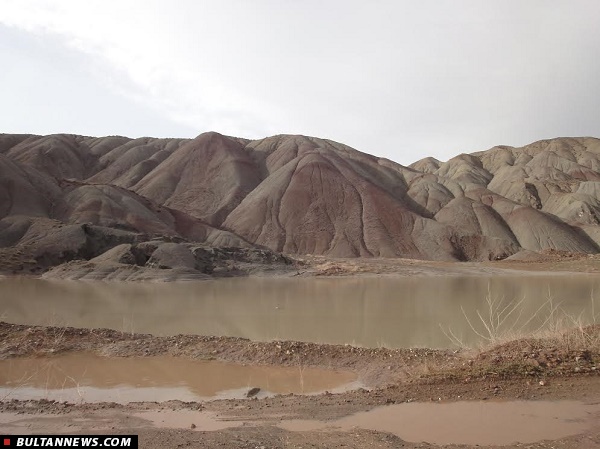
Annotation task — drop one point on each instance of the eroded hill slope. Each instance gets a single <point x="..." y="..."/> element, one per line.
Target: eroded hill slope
<point x="304" y="195"/>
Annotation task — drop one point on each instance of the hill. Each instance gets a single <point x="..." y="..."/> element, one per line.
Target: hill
<point x="303" y="195"/>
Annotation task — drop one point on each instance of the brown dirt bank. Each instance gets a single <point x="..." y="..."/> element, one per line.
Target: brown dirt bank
<point x="525" y="369"/>
<point x="543" y="262"/>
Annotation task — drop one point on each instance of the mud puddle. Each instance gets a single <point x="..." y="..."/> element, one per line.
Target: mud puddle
<point x="474" y="423"/>
<point x="91" y="378"/>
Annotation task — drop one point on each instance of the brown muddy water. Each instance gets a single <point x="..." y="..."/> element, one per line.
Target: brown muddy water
<point x="363" y="311"/>
<point x="474" y="423"/>
<point x="78" y="377"/>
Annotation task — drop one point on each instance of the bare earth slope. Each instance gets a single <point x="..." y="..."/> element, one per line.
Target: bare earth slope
<point x="304" y="195"/>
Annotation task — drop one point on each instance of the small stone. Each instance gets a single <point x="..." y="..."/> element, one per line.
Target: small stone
<point x="252" y="392"/>
<point x="193" y="426"/>
<point x="577" y="369"/>
<point x="542" y="383"/>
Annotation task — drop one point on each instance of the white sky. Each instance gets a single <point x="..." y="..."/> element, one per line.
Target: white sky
<point x="398" y="79"/>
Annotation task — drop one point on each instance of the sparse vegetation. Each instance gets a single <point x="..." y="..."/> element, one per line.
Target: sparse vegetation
<point x="502" y="320"/>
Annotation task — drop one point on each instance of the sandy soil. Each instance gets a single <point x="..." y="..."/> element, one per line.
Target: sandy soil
<point x="525" y="370"/>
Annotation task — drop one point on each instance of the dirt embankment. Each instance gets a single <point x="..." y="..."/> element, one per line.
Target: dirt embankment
<point x="565" y="367"/>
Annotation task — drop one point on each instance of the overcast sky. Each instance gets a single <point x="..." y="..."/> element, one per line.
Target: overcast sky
<point x="398" y="79"/>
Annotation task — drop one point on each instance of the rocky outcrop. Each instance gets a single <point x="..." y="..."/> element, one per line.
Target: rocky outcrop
<point x="167" y="261"/>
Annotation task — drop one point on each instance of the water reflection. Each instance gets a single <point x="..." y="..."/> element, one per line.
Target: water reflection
<point x="367" y="311"/>
<point x="91" y="378"/>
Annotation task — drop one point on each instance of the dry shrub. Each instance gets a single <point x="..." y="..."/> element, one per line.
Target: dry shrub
<point x="503" y="321"/>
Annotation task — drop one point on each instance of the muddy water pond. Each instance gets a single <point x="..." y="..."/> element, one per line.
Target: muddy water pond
<point x="474" y="423"/>
<point x="365" y="311"/>
<point x="78" y="377"/>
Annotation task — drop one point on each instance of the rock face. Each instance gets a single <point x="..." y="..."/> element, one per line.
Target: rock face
<point x="303" y="195"/>
<point x="167" y="261"/>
